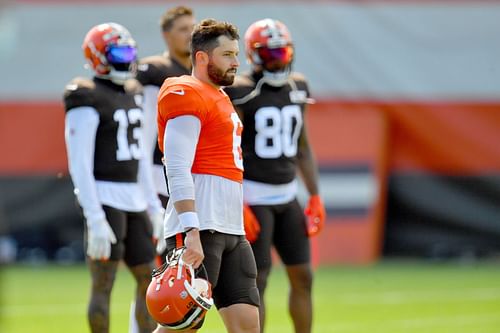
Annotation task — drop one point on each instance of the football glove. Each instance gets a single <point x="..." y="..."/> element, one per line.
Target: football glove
<point x="158" y="236"/>
<point x="100" y="236"/>
<point x="315" y="215"/>
<point x="251" y="224"/>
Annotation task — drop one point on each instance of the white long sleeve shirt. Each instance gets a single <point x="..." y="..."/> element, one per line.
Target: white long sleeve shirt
<point x="150" y="141"/>
<point x="218" y="200"/>
<point x="80" y="131"/>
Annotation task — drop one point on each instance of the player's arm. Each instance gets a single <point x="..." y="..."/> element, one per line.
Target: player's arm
<point x="148" y="142"/>
<point x="149" y="107"/>
<point x="80" y="130"/>
<point x="308" y="169"/>
<point x="150" y="91"/>
<point x="307" y="163"/>
<point x="180" y="140"/>
<point x="150" y="132"/>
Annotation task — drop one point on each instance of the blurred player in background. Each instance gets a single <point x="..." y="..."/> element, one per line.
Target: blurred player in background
<point x="271" y="101"/>
<point x="200" y="134"/>
<point x="176" y="26"/>
<point x="103" y="136"/>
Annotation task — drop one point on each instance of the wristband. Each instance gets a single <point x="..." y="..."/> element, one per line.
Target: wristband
<point x="189" y="220"/>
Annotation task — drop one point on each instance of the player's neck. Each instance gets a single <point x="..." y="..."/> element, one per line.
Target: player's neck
<point x="183" y="60"/>
<point x="202" y="75"/>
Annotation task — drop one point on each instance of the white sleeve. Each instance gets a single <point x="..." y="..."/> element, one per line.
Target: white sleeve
<point x="148" y="142"/>
<point x="145" y="180"/>
<point x="180" y="140"/>
<point x="80" y="130"/>
<point x="150" y="127"/>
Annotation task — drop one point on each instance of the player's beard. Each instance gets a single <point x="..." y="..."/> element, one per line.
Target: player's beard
<point x="220" y="77"/>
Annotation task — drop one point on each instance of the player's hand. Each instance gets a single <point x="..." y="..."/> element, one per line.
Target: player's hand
<point x="158" y="237"/>
<point x="193" y="254"/>
<point x="315" y="215"/>
<point x="100" y="236"/>
<point x="251" y="224"/>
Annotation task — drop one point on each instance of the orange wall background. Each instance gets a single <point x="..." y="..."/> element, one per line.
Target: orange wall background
<point x="446" y="138"/>
<point x="32" y="138"/>
<point x="434" y="137"/>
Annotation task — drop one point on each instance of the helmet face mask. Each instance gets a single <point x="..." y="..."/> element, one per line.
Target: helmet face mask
<point x="111" y="52"/>
<point x="275" y="59"/>
<point x="269" y="48"/>
<point x="176" y="298"/>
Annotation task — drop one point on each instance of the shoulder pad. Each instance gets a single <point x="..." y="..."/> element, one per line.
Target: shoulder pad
<point x="300" y="80"/>
<point x="241" y="86"/>
<point x="79" y="92"/>
<point x="176" y="99"/>
<point x="133" y="86"/>
<point x="298" y="77"/>
<point x="148" y="70"/>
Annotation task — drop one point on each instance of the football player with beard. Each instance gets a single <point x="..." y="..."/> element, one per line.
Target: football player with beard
<point x="176" y="25"/>
<point x="271" y="101"/>
<point x="200" y="134"/>
<point x="103" y="136"/>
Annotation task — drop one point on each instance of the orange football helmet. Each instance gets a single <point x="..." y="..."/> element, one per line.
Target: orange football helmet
<point x="111" y="52"/>
<point x="268" y="44"/>
<point x="175" y="298"/>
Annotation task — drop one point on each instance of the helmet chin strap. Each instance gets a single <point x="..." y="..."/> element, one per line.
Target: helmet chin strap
<point x="119" y="77"/>
<point x="276" y="79"/>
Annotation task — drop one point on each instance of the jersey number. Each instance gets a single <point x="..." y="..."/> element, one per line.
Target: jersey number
<point x="277" y="131"/>
<point x="237" y="129"/>
<point x="127" y="151"/>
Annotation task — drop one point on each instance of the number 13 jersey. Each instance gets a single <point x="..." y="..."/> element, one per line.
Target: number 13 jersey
<point x="118" y="136"/>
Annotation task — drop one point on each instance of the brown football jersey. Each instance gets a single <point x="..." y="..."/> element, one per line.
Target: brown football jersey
<point x="117" y="143"/>
<point x="273" y="123"/>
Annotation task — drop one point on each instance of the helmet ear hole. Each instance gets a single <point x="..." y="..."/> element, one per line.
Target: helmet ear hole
<point x="255" y="59"/>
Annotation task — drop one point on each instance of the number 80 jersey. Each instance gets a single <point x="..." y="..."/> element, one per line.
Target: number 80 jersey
<point x="273" y="125"/>
<point x="117" y="140"/>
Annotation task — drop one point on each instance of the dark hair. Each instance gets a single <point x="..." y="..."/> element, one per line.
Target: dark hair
<point x="168" y="18"/>
<point x="205" y="34"/>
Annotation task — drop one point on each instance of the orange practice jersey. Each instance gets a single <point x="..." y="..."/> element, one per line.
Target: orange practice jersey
<point x="218" y="151"/>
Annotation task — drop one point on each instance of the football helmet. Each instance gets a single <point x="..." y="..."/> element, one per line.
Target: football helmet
<point x="269" y="46"/>
<point x="111" y="52"/>
<point x="175" y="297"/>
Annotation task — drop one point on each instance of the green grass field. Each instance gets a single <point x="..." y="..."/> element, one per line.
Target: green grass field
<point x="387" y="297"/>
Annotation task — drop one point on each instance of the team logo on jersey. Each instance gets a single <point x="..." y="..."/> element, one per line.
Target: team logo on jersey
<point x="179" y="92"/>
<point x="298" y="96"/>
